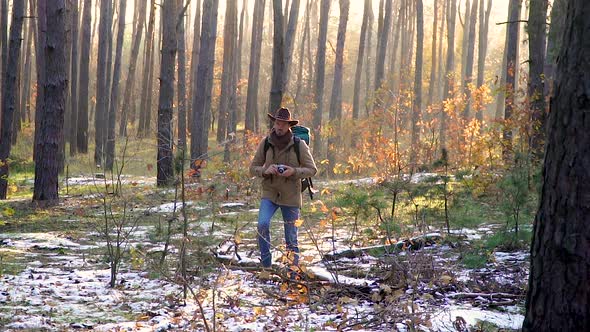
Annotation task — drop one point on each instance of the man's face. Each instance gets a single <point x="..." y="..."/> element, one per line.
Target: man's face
<point x="281" y="127"/>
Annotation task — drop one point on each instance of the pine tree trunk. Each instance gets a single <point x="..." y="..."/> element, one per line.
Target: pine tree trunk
<point x="194" y="63"/>
<point x="320" y="68"/>
<point x="4" y="36"/>
<point x="83" y="82"/>
<point x="27" y="74"/>
<point x="140" y="11"/>
<point x="336" y="99"/>
<point x="511" y="68"/>
<point x="291" y="29"/>
<point x="468" y="79"/>
<point x="146" y="89"/>
<point x="484" y="21"/>
<point x="101" y="115"/>
<point x="52" y="121"/>
<point x="9" y="88"/>
<point x="229" y="55"/>
<point x="304" y="38"/>
<point x="417" y="103"/>
<point x="278" y="59"/>
<point x="202" y="98"/>
<point x="254" y="70"/>
<point x="368" y="81"/>
<point x="558" y="297"/>
<point x="431" y="83"/>
<point x="74" y="81"/>
<point x="359" y="61"/>
<point x="450" y="67"/>
<point x="381" y="50"/>
<point x="114" y="101"/>
<point x="536" y="90"/>
<point x="181" y="50"/>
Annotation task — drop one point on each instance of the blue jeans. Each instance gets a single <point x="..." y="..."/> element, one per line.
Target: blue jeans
<point x="290" y="215"/>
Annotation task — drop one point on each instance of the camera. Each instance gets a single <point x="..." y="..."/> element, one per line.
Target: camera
<point x="281" y="169"/>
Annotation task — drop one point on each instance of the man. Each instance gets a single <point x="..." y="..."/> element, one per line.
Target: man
<point x="281" y="173"/>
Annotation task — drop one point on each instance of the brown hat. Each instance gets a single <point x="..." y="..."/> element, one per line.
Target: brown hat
<point x="283" y="114"/>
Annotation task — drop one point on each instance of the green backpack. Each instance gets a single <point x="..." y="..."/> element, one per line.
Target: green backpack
<point x="299" y="133"/>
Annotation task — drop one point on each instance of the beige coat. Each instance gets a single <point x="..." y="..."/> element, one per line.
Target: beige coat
<point x="283" y="190"/>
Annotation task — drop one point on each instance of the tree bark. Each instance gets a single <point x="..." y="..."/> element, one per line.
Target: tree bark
<point x="9" y="88"/>
<point x="114" y="100"/>
<point x="74" y="81"/>
<point x="52" y="121"/>
<point x="558" y="297"/>
<point x="181" y="50"/>
<point x="484" y="22"/>
<point x="536" y="90"/>
<point x="202" y="98"/>
<point x="359" y="61"/>
<point x="469" y="60"/>
<point x="417" y="103"/>
<point x="165" y="169"/>
<point x="278" y="59"/>
<point x="83" y="82"/>
<point x="381" y="49"/>
<point x="130" y="83"/>
<point x="336" y="99"/>
<point x="229" y="55"/>
<point x="101" y="115"/>
<point x="254" y="70"/>
<point x="450" y="68"/>
<point x="511" y="70"/>
<point x="291" y="32"/>
<point x="320" y="68"/>
<point x="146" y="89"/>
<point x="431" y="83"/>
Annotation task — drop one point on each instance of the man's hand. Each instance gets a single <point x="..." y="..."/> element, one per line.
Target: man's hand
<point x="288" y="171"/>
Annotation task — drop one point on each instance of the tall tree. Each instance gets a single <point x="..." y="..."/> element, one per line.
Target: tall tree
<point x="181" y="50"/>
<point x="482" y="46"/>
<point x="417" y="102"/>
<point x="467" y="79"/>
<point x="536" y="90"/>
<point x="83" y="82"/>
<point x="381" y="49"/>
<point x="9" y="88"/>
<point x="146" y="88"/>
<point x="304" y="38"/>
<point x="511" y="69"/>
<point x="278" y="58"/>
<point x="202" y="98"/>
<point x="140" y="10"/>
<point x="558" y="297"/>
<point x="194" y="62"/>
<point x="432" y="80"/>
<point x="52" y="120"/>
<point x="114" y="100"/>
<point x="320" y="68"/>
<point x="165" y="173"/>
<point x="229" y="54"/>
<point x="74" y="80"/>
<point x="359" y="61"/>
<point x="101" y="83"/>
<point x="450" y="67"/>
<point x="336" y="99"/>
<point x="4" y="35"/>
<point x="290" y="33"/>
<point x="254" y="70"/>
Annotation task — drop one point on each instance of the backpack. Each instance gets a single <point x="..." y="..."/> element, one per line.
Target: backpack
<point x="299" y="133"/>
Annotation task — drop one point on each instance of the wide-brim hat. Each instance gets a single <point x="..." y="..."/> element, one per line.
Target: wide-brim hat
<point x="283" y="114"/>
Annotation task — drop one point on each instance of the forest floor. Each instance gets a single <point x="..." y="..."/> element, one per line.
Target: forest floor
<point x="54" y="276"/>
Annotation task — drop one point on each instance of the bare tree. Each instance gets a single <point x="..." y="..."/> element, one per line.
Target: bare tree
<point x="484" y="22"/>
<point x="254" y="70"/>
<point x="381" y="49"/>
<point x="181" y="51"/>
<point x="83" y="82"/>
<point x="417" y="102"/>
<point x="320" y="69"/>
<point x="194" y="62"/>
<point x="165" y="172"/>
<point x="432" y="82"/>
<point x="278" y="58"/>
<point x="359" y="60"/>
<point x="146" y="88"/>
<point x="9" y="88"/>
<point x="101" y="115"/>
<point x="228" y="90"/>
<point x="52" y="120"/>
<point x="558" y="297"/>
<point x="450" y="67"/>
<point x="74" y="80"/>
<point x="467" y="79"/>
<point x="511" y="68"/>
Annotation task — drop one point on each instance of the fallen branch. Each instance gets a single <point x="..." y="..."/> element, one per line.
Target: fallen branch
<point x="489" y="296"/>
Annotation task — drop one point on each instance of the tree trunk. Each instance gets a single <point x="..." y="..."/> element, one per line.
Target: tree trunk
<point x="336" y="99"/>
<point x="432" y="81"/>
<point x="511" y="69"/>
<point x="465" y="39"/>
<point x="229" y="55"/>
<point x="126" y="107"/>
<point x="101" y="84"/>
<point x="381" y="50"/>
<point x="304" y="38"/>
<point x="368" y="81"/>
<point x="556" y="29"/>
<point x="278" y="59"/>
<point x="165" y="174"/>
<point x="417" y="103"/>
<point x="202" y="98"/>
<point x="439" y="75"/>
<point x="194" y="63"/>
<point x="558" y="297"/>
<point x="145" y="106"/>
<point x="359" y="61"/>
<point x="4" y="37"/>
<point x="320" y="69"/>
<point x="181" y="42"/>
<point x="450" y="67"/>
<point x="484" y="22"/>
<point x="52" y="120"/>
<point x="254" y="70"/>
<point x="469" y="60"/>
<point x="27" y="74"/>
<point x="83" y="82"/>
<point x="536" y="90"/>
<point x="114" y="100"/>
<point x="9" y="88"/>
<point x="289" y="39"/>
<point x="74" y="81"/>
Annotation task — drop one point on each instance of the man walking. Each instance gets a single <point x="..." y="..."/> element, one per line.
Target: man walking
<point x="281" y="169"/>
